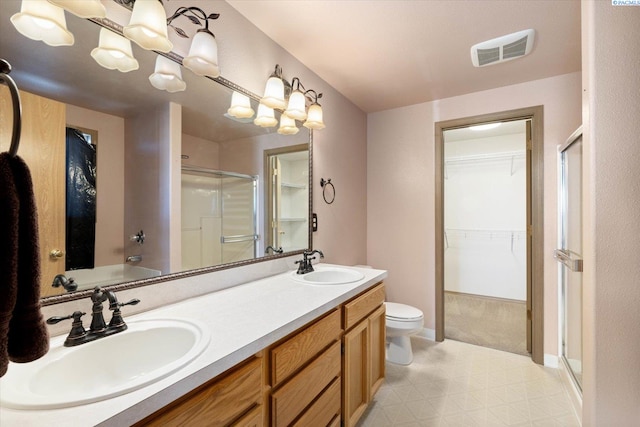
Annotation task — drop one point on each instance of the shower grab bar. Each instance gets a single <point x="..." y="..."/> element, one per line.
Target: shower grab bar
<point x="567" y="258"/>
<point x="239" y="238"/>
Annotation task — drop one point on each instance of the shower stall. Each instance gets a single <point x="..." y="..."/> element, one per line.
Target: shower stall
<point x="569" y="255"/>
<point x="219" y="217"/>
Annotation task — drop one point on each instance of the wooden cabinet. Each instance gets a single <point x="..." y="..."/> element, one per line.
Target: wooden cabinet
<point x="364" y="347"/>
<point x="316" y="376"/>
<point x="306" y="371"/>
<point x="231" y="399"/>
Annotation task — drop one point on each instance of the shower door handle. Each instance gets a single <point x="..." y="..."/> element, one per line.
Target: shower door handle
<point x="572" y="260"/>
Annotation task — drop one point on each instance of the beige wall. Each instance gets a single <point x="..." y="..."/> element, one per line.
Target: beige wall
<point x="400" y="187"/>
<point x="248" y="57"/>
<point x="611" y="308"/>
<point x="110" y="181"/>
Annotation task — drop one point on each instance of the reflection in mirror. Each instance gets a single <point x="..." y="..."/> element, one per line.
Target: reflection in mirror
<point x="147" y="137"/>
<point x="287" y="181"/>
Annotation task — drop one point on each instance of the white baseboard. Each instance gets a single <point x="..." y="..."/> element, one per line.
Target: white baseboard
<point x="429" y="334"/>
<point x="551" y="361"/>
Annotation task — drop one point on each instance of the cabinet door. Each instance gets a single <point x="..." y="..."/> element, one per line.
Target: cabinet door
<point x="377" y="335"/>
<point x="355" y="393"/>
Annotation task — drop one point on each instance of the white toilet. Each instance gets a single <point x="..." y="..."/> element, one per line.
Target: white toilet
<point x="402" y="321"/>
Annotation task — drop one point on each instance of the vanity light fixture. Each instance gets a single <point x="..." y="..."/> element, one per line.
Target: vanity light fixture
<point x="266" y="117"/>
<point x="314" y="116"/>
<point x="41" y="20"/>
<point x="274" y="90"/>
<point x="240" y="106"/>
<point x="296" y="108"/>
<point x="275" y="93"/>
<point x="167" y="75"/>
<point x="114" y="52"/>
<point x="203" y="53"/>
<point x="287" y="126"/>
<point x="148" y="26"/>
<point x="82" y="8"/>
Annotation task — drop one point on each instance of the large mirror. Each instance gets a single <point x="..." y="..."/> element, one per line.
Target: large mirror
<point x="180" y="187"/>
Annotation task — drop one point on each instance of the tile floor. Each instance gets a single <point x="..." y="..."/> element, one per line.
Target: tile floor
<point x="458" y="384"/>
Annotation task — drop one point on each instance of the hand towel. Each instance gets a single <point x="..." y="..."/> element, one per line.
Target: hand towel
<point x="28" y="335"/>
<point x="9" y="207"/>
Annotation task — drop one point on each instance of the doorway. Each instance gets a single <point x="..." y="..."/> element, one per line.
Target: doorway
<point x="528" y="236"/>
<point x="287" y="189"/>
<point x="485" y="216"/>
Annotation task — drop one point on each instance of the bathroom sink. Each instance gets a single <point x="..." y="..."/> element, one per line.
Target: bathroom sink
<point x="147" y="351"/>
<point x="328" y="276"/>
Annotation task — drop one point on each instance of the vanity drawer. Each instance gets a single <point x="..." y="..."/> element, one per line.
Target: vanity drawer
<point x="326" y="410"/>
<point x="358" y="308"/>
<point x="296" y="351"/>
<point x="217" y="403"/>
<point x="255" y="418"/>
<point x="293" y="397"/>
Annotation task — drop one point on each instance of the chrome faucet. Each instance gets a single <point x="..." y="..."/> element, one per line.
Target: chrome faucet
<point x="99" y="328"/>
<point x="304" y="265"/>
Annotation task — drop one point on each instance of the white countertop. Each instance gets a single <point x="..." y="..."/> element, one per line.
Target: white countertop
<point x="243" y="320"/>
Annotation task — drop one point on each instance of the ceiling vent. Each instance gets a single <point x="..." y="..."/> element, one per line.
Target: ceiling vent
<point x="502" y="49"/>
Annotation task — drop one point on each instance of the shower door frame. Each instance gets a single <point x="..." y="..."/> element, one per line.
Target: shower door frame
<point x="535" y="231"/>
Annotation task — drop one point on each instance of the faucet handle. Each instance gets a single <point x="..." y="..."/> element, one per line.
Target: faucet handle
<point x="77" y="329"/>
<point x="132" y="302"/>
<point x="76" y="315"/>
<point x="117" y="322"/>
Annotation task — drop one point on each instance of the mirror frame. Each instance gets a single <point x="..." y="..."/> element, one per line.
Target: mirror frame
<point x="57" y="299"/>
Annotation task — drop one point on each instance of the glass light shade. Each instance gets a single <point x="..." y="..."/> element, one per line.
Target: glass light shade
<point x="240" y="106"/>
<point x="265" y="117"/>
<point x="287" y="126"/>
<point x="41" y="20"/>
<point x="114" y="52"/>
<point x="167" y="76"/>
<point x="203" y="55"/>
<point x="148" y="26"/>
<point x="297" y="106"/>
<point x="274" y="93"/>
<point x="314" y="118"/>
<point x="82" y="8"/>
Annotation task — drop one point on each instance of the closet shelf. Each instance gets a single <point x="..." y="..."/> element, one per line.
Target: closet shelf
<point x="509" y="156"/>
<point x="484" y="234"/>
<point x="293" y="186"/>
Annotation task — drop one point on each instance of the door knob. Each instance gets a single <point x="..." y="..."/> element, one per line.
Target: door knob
<point x="56" y="253"/>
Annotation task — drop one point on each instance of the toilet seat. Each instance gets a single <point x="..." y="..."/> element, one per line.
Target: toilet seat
<point x="402" y="312"/>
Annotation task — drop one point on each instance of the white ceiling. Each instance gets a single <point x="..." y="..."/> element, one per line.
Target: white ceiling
<point x="387" y="54"/>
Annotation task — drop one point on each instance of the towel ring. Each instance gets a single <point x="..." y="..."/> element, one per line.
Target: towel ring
<point x="325" y="184"/>
<point x="5" y="69"/>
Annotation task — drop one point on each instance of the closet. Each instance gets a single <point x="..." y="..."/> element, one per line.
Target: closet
<point x="485" y="236"/>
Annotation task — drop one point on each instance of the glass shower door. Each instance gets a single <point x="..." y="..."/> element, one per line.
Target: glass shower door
<point x="570" y="254"/>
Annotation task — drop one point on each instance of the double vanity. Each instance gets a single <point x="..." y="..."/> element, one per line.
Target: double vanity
<point x="281" y="350"/>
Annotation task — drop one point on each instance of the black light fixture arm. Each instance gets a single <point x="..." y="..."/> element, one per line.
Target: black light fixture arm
<point x="195" y="15"/>
<point x="296" y="84"/>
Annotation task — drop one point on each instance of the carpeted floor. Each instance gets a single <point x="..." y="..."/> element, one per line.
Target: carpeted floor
<point x="485" y="321"/>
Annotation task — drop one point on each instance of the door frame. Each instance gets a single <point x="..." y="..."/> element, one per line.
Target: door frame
<point x="535" y="273"/>
<point x="268" y="193"/>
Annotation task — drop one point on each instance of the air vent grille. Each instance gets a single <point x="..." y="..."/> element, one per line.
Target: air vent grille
<point x="503" y="48"/>
<point x="515" y="49"/>
<point x="487" y="56"/>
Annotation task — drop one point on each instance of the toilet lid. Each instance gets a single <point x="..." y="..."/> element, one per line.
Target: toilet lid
<point x="399" y="311"/>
